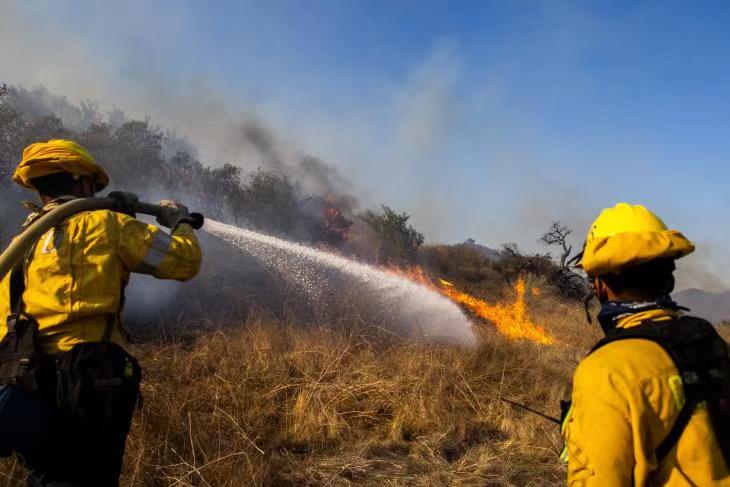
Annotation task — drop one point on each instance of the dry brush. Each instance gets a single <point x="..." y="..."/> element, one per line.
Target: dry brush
<point x="265" y="402"/>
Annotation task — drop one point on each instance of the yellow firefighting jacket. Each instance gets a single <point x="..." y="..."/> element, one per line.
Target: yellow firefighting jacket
<point x="77" y="273"/>
<point x="626" y="397"/>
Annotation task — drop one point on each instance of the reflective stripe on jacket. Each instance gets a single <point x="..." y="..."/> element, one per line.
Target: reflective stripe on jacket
<point x="626" y="397"/>
<point x="78" y="272"/>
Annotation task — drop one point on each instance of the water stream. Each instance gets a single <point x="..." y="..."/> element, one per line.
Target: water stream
<point x="412" y="307"/>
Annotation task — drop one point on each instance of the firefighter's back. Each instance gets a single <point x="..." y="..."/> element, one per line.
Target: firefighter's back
<point x="77" y="272"/>
<point x="638" y="387"/>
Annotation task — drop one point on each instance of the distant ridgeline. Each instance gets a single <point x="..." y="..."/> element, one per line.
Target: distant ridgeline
<point x="712" y="306"/>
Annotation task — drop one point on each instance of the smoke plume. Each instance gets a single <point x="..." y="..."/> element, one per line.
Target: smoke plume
<point x="315" y="175"/>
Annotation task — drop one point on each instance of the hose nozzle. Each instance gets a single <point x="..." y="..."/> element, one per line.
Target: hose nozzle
<point x="129" y="203"/>
<point x="196" y="220"/>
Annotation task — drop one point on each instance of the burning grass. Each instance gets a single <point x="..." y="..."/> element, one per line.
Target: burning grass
<point x="511" y="319"/>
<point x="270" y="403"/>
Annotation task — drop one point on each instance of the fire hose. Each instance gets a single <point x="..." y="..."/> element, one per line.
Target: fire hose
<point x="22" y="244"/>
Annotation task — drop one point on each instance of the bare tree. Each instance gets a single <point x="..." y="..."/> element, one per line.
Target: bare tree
<point x="566" y="279"/>
<point x="557" y="235"/>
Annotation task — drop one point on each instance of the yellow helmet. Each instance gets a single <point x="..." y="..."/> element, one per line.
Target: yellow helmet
<point x="57" y="156"/>
<point x="627" y="235"/>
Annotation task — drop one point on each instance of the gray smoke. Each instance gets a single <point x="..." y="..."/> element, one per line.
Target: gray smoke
<point x="696" y="271"/>
<point x="39" y="102"/>
<point x="315" y="175"/>
<point x="193" y="113"/>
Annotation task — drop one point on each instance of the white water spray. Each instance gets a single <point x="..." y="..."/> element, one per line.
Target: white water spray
<point x="421" y="311"/>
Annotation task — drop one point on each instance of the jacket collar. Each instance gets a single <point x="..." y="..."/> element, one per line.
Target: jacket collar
<point x="661" y="314"/>
<point x="627" y="314"/>
<point x="38" y="211"/>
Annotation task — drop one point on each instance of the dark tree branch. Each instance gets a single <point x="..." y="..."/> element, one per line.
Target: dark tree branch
<point x="557" y="235"/>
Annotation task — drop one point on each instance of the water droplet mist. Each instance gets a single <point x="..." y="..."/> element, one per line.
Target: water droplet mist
<point x="412" y="308"/>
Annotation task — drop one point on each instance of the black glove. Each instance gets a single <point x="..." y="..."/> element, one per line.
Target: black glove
<point x="126" y="202"/>
<point x="173" y="214"/>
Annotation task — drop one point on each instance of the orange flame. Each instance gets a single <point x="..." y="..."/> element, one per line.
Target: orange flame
<point x="511" y="319"/>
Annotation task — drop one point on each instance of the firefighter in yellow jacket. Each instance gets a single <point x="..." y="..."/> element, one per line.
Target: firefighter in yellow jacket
<point x="641" y="414"/>
<point x="72" y="429"/>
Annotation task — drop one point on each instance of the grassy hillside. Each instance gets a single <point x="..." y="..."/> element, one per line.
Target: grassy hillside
<point x="269" y="403"/>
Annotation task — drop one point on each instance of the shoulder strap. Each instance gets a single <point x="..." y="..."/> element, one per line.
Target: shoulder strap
<point x="680" y="424"/>
<point x="692" y="343"/>
<point x="698" y="352"/>
<point x="17" y="283"/>
<point x="17" y="287"/>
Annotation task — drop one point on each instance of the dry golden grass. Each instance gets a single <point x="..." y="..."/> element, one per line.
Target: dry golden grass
<point x="724" y="329"/>
<point x="269" y="403"/>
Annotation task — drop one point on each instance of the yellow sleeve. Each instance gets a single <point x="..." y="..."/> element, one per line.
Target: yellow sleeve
<point x="598" y="433"/>
<point x="4" y="304"/>
<point x="146" y="249"/>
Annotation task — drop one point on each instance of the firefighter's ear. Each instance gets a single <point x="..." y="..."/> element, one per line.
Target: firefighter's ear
<point x="602" y="290"/>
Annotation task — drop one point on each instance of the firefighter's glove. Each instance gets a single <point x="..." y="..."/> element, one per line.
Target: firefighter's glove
<point x="126" y="202"/>
<point x="173" y="214"/>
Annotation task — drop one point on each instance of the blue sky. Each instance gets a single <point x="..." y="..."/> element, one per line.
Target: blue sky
<point x="482" y="119"/>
